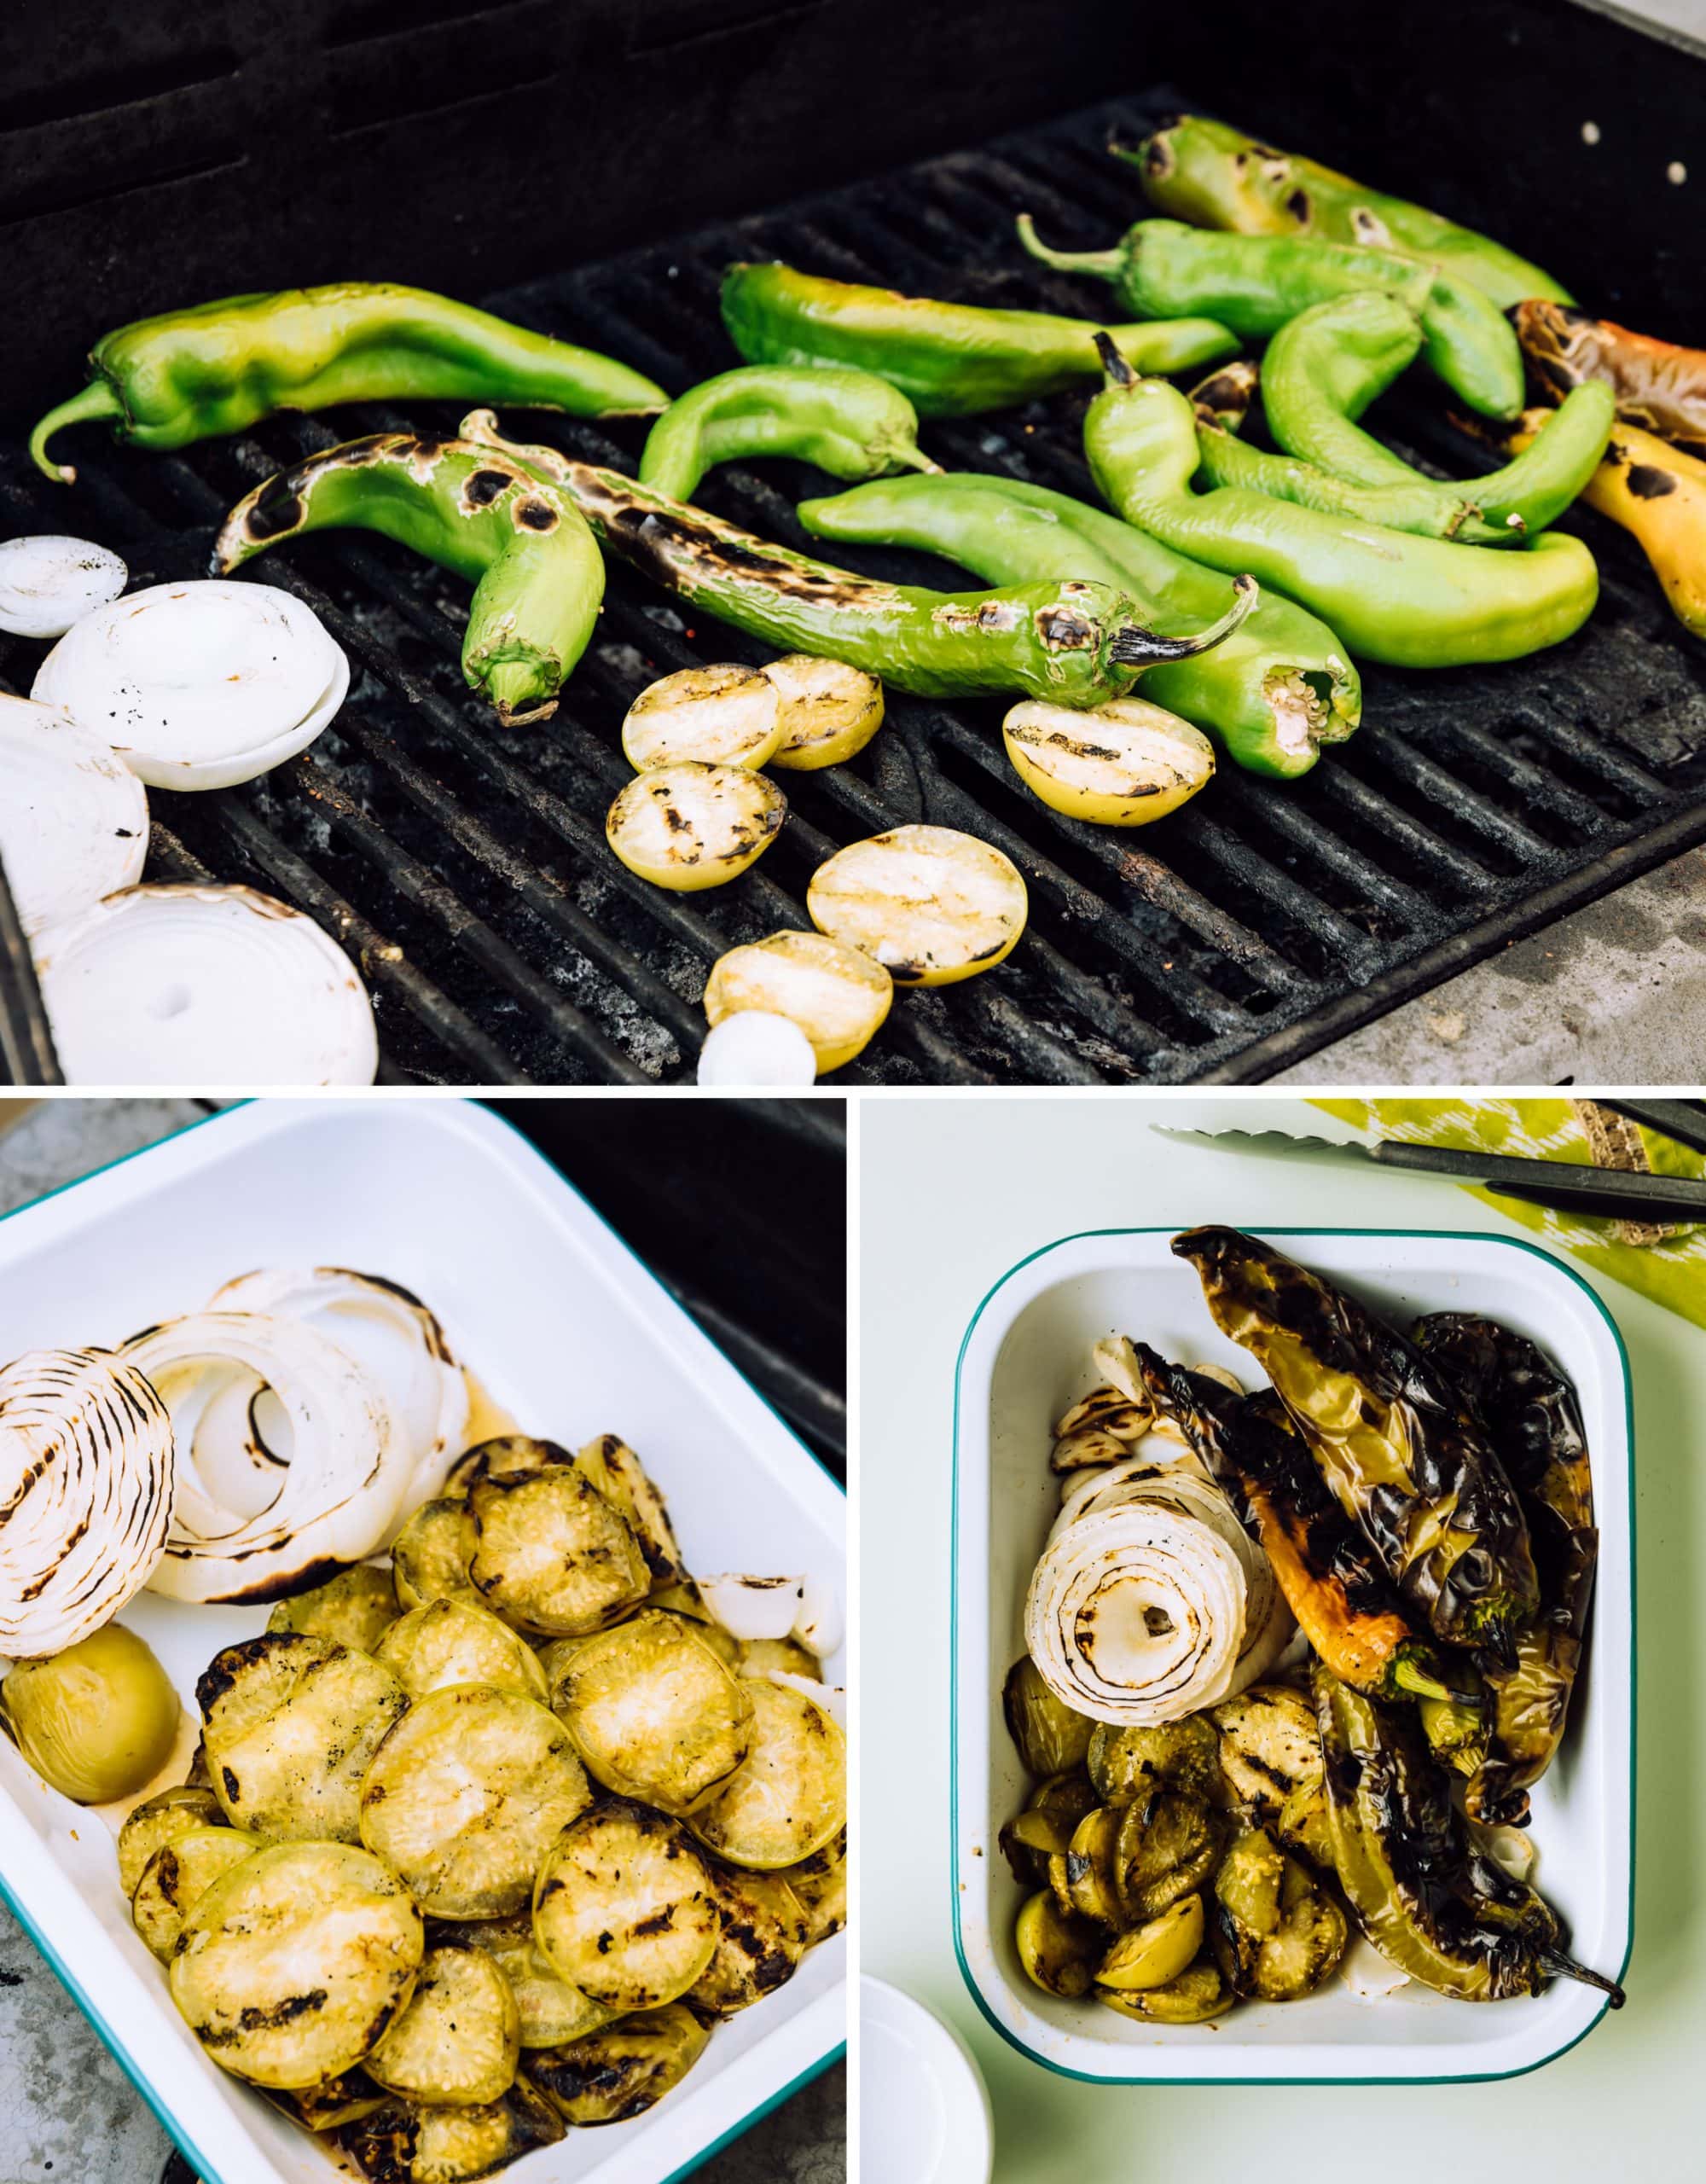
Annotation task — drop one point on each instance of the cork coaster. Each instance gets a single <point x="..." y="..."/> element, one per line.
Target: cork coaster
<point x="1616" y="1142"/>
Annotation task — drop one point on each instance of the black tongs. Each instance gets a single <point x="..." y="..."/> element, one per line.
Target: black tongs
<point x="26" y="1046"/>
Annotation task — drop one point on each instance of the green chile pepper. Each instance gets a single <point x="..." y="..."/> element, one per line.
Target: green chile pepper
<point x="1393" y="597"/>
<point x="1431" y="1908"/>
<point x="1279" y="687"/>
<point x="1423" y="508"/>
<point x="1215" y="177"/>
<point x="1334" y="1583"/>
<point x="1409" y="1462"/>
<point x="1530" y="1409"/>
<point x="849" y="423"/>
<point x="949" y="360"/>
<point x="1257" y="284"/>
<point x="191" y="374"/>
<point x="1322" y="371"/>
<point x="535" y="567"/>
<point x="1078" y="644"/>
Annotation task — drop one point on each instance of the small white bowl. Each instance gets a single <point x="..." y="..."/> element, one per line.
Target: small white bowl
<point x="923" y="2110"/>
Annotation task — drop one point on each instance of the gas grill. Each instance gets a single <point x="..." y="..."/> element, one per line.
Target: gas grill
<point x="465" y="867"/>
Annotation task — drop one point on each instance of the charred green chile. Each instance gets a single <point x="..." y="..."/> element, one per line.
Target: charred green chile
<point x="949" y="360"/>
<point x="1393" y="597"/>
<point x="526" y="548"/>
<point x="190" y="375"/>
<point x="1334" y="1583"/>
<point x="1257" y="284"/>
<point x="1323" y="369"/>
<point x="1215" y="177"/>
<point x="849" y="423"/>
<point x="1531" y="1413"/>
<point x="1432" y="1908"/>
<point x="1076" y="643"/>
<point x="1406" y="1458"/>
<point x="1279" y="687"/>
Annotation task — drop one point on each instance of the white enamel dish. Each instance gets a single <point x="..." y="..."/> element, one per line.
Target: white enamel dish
<point x="1025" y="1359"/>
<point x="568" y="1330"/>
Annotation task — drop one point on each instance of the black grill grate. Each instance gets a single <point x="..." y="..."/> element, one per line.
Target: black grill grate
<point x="467" y="871"/>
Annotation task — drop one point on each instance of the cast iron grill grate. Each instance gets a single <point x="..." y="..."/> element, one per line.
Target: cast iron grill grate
<point x="468" y="874"/>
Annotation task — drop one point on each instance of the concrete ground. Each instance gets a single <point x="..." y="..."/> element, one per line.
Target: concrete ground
<point x="68" y="2115"/>
<point x="1613" y="995"/>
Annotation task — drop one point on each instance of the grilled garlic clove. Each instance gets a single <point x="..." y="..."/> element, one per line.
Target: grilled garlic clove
<point x="757" y="1047"/>
<point x="688" y="825"/>
<point x="829" y="711"/>
<point x="753" y="1607"/>
<point x="930" y="904"/>
<point x="200" y="685"/>
<point x="721" y="716"/>
<point x="48" y="583"/>
<point x="837" y="995"/>
<point x="203" y="985"/>
<point x="1121" y="764"/>
<point x="73" y="819"/>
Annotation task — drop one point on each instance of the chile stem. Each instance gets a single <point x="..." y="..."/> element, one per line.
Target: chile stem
<point x="1135" y="646"/>
<point x="1100" y="264"/>
<point x="98" y="399"/>
<point x="1410" y="1676"/>
<point x="1555" y="1960"/>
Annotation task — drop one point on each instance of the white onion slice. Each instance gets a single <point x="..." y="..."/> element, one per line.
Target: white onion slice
<point x="350" y="1468"/>
<point x="755" y="1046"/>
<point x="49" y="583"/>
<point x="73" y="819"/>
<point x="387" y="1330"/>
<point x="86" y="1477"/>
<point x="203" y="986"/>
<point x="199" y="685"/>
<point x="819" y="1625"/>
<point x="752" y="1607"/>
<point x="1135" y="1615"/>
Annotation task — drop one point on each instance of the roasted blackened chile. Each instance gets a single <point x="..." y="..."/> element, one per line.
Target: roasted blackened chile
<point x="1432" y="1909"/>
<point x="1333" y="1581"/>
<point x="1533" y="1418"/>
<point x="1402" y="1450"/>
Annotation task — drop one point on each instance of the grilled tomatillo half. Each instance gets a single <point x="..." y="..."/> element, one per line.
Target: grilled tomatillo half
<point x="548" y="1554"/>
<point x="400" y="2142"/>
<point x="790" y="1799"/>
<point x="622" y="2070"/>
<point x="1073" y="641"/>
<point x="296" y="1961"/>
<point x="1402" y="1452"/>
<point x="654" y="1715"/>
<point x="623" y="1908"/>
<point x="538" y="580"/>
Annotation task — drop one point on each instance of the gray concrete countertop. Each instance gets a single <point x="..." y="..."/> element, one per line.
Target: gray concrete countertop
<point x="1615" y="994"/>
<point x="68" y="2115"/>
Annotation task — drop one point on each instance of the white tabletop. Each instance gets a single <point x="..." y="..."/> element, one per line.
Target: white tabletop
<point x="953" y="1191"/>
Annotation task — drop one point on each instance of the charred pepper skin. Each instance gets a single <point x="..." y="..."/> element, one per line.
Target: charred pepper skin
<point x="1407" y="1461"/>
<point x="537" y="576"/>
<point x="1531" y="1412"/>
<point x="1322" y="371"/>
<point x="1215" y="177"/>
<point x="1391" y="597"/>
<point x="949" y="360"/>
<point x="1077" y="644"/>
<point x="849" y="423"/>
<point x="1257" y="284"/>
<point x="1657" y="386"/>
<point x="1278" y="690"/>
<point x="1449" y="1918"/>
<point x="189" y="375"/>
<point x="1334" y="1583"/>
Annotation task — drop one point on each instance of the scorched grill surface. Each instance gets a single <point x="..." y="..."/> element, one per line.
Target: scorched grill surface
<point x="466" y="868"/>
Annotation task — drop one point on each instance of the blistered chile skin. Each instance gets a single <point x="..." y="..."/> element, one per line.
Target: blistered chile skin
<point x="1400" y="1449"/>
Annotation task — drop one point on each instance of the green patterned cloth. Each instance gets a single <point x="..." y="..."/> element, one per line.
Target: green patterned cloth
<point x="1670" y="1268"/>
